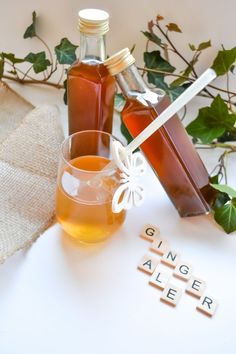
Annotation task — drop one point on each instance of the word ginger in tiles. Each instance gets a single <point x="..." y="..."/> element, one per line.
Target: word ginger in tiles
<point x="147" y="264"/>
<point x="149" y="232"/>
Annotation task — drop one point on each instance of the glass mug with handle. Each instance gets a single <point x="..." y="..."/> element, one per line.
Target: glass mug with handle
<point x="84" y="190"/>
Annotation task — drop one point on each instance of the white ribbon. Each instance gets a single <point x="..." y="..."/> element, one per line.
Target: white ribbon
<point x="130" y="193"/>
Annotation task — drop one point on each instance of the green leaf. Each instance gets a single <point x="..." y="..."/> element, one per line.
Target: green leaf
<point x="226" y="216"/>
<point x="1" y="68"/>
<point x="39" y="61"/>
<point x="224" y="188"/>
<point x="11" y="57"/>
<point x="183" y="78"/>
<point x="31" y="30"/>
<point x="212" y="121"/>
<point x="153" y="60"/>
<point x="224" y="61"/>
<point x="173" y="93"/>
<point x="173" y="27"/>
<point x="65" y="52"/>
<point x="192" y="47"/>
<point x="204" y="45"/>
<point x="152" y="37"/>
<point x="119" y="102"/>
<point x="125" y="133"/>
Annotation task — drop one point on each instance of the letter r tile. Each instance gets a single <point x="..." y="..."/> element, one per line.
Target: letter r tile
<point x="207" y="305"/>
<point x="147" y="264"/>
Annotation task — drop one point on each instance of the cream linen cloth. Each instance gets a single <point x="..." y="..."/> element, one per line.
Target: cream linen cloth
<point x="29" y="150"/>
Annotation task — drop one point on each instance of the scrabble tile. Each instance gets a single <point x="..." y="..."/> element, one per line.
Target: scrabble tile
<point x="171" y="294"/>
<point x="149" y="232"/>
<point x="159" y="278"/>
<point x="196" y="286"/>
<point x="207" y="305"/>
<point x="183" y="270"/>
<point x="159" y="246"/>
<point x="170" y="258"/>
<point x="147" y="264"/>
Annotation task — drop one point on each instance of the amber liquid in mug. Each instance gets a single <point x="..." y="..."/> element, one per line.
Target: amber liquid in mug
<point x="88" y="217"/>
<point x="173" y="158"/>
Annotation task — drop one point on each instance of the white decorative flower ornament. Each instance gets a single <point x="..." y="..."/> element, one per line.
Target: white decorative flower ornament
<point x="132" y="165"/>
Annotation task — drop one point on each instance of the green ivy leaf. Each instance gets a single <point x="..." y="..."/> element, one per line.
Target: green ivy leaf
<point x="1" y="68"/>
<point x="226" y="216"/>
<point x="31" y="30"/>
<point x="173" y="93"/>
<point x="125" y="133"/>
<point x="11" y="57"/>
<point x="153" y="60"/>
<point x="204" y="45"/>
<point x="173" y="27"/>
<point x="224" y="188"/>
<point x="224" y="61"/>
<point x="65" y="52"/>
<point x="152" y="37"/>
<point x="39" y="61"/>
<point x="212" y="121"/>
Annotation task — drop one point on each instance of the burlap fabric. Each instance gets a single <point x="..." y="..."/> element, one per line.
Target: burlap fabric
<point x="28" y="166"/>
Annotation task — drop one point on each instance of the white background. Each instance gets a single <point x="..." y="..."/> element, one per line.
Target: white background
<point x="58" y="298"/>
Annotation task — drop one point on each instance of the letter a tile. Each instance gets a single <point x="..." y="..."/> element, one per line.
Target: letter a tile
<point x="149" y="232"/>
<point x="147" y="264"/>
<point x="171" y="294"/>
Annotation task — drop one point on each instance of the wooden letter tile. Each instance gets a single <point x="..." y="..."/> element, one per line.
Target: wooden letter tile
<point x="171" y="294"/>
<point x="170" y="258"/>
<point x="159" y="278"/>
<point x="147" y="264"/>
<point x="196" y="286"/>
<point x="183" y="270"/>
<point x="207" y="305"/>
<point x="159" y="246"/>
<point x="149" y="232"/>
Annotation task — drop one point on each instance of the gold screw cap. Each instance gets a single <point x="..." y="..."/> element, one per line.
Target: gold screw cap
<point x="93" y="21"/>
<point x="119" y="61"/>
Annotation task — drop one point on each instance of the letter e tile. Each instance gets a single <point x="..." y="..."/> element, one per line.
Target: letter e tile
<point x="149" y="232"/>
<point x="196" y="286"/>
<point x="171" y="294"/>
<point x="147" y="264"/>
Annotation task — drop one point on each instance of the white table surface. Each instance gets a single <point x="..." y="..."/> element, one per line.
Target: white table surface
<point x="61" y="298"/>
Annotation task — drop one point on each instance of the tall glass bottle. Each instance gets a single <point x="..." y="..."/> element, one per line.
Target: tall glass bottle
<point x="169" y="150"/>
<point x="91" y="88"/>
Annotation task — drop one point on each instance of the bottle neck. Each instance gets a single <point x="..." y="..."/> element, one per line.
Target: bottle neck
<point x="92" y="48"/>
<point x="134" y="87"/>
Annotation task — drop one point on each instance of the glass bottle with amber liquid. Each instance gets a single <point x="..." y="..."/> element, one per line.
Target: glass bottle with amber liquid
<point x="169" y="150"/>
<point x="91" y="88"/>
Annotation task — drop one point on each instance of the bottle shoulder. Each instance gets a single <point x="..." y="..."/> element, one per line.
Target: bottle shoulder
<point x="92" y="71"/>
